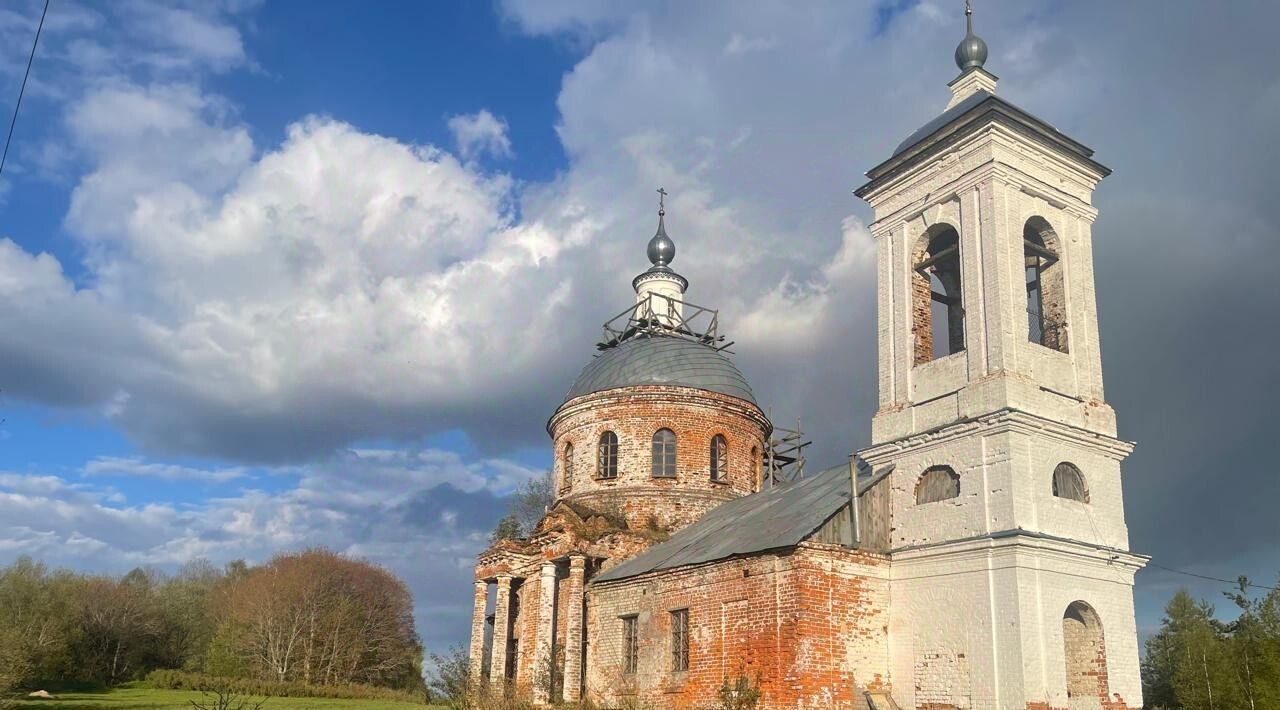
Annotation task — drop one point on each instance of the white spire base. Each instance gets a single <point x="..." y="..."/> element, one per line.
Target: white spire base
<point x="660" y="295"/>
<point x="971" y="82"/>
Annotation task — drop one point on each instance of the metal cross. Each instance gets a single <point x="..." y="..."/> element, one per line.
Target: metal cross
<point x="662" y="196"/>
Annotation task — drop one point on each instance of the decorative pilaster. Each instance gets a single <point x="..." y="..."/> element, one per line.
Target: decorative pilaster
<point x="476" y="666"/>
<point x="501" y="632"/>
<point x="573" y="629"/>
<point x="546" y="630"/>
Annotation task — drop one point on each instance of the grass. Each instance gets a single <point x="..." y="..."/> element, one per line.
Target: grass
<point x="134" y="697"/>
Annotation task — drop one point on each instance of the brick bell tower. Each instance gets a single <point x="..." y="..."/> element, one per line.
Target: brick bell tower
<point x="1012" y="580"/>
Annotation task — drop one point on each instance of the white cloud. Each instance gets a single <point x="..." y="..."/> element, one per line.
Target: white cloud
<point x="738" y="44"/>
<point x="137" y="467"/>
<point x="418" y="511"/>
<point x="274" y="302"/>
<point x="479" y="133"/>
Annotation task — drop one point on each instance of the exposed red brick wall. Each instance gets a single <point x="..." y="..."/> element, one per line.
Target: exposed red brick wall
<point x="921" y="311"/>
<point x="634" y="414"/>
<point x="806" y="626"/>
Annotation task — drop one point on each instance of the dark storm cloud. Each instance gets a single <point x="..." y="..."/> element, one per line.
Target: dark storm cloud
<point x="771" y="115"/>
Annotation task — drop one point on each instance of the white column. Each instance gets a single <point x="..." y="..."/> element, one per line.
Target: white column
<point x="501" y="632"/>
<point x="477" y="632"/>
<point x="573" y="629"/>
<point x="546" y="630"/>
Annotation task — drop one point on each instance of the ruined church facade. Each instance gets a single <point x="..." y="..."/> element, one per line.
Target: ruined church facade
<point x="975" y="555"/>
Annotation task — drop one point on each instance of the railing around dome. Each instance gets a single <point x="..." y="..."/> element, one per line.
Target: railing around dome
<point x="681" y="319"/>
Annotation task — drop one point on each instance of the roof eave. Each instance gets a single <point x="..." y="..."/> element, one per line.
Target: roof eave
<point x="991" y="109"/>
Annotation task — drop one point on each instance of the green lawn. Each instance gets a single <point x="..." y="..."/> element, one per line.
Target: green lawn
<point x="130" y="698"/>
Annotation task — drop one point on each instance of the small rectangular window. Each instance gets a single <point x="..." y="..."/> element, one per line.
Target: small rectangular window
<point x="680" y="640"/>
<point x="630" y="644"/>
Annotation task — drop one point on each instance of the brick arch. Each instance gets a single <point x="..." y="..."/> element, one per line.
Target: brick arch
<point x="1042" y="252"/>
<point x="718" y="457"/>
<point x="1069" y="482"/>
<point x="937" y="483"/>
<point x="566" y="467"/>
<point x="937" y="306"/>
<point x="1084" y="656"/>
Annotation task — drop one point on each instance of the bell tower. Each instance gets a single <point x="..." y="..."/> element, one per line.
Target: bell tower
<point x="1011" y="572"/>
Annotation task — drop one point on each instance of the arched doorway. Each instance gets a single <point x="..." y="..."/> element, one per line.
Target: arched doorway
<point x="1085" y="653"/>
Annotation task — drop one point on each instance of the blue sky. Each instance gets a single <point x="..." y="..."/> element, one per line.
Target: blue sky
<point x="285" y="274"/>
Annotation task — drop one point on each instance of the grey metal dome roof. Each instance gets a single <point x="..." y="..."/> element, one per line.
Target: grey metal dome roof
<point x="662" y="360"/>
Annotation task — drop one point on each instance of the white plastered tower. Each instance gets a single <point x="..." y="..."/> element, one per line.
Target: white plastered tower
<point x="1011" y="580"/>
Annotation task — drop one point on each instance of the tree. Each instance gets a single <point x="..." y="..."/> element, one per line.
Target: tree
<point x="318" y="617"/>
<point x="532" y="501"/>
<point x="450" y="680"/>
<point x="120" y="624"/>
<point x="508" y="528"/>
<point x="1188" y="662"/>
<point x="1254" y="649"/>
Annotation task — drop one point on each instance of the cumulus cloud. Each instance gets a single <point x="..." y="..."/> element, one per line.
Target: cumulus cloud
<point x="422" y="512"/>
<point x="480" y="133"/>
<point x="271" y="303"/>
<point x="137" y="467"/>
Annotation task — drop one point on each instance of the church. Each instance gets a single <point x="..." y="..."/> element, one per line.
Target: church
<point x="975" y="555"/>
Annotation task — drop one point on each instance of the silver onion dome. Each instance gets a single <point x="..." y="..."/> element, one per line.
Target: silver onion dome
<point x="661" y="250"/>
<point x="971" y="53"/>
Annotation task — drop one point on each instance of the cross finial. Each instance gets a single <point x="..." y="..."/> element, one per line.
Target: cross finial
<point x="968" y="16"/>
<point x="662" y="206"/>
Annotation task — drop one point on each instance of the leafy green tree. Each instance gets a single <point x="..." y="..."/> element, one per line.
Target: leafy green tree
<point x="1254" y="650"/>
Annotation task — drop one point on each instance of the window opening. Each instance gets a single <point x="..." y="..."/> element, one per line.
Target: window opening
<point x="607" y="466"/>
<point x="664" y="454"/>
<point x="719" y="458"/>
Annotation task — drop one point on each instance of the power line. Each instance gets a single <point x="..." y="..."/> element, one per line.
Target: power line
<point x="23" y="89"/>
<point x="1211" y="579"/>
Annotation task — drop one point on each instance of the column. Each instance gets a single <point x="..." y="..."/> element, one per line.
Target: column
<point x="573" y="629"/>
<point x="546" y="629"/>
<point x="501" y="632"/>
<point x="477" y="632"/>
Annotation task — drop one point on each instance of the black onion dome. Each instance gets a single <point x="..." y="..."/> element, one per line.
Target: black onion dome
<point x="662" y="360"/>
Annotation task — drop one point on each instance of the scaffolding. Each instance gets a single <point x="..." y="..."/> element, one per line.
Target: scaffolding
<point x="681" y="319"/>
<point x="784" y="455"/>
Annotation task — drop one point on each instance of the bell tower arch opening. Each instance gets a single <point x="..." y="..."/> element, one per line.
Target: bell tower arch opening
<point x="937" y="304"/>
<point x="1046" y="292"/>
<point x="1085" y="655"/>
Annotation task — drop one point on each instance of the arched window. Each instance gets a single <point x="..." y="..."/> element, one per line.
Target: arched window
<point x="756" y="481"/>
<point x="1085" y="653"/>
<point x="607" y="459"/>
<point x="937" y="483"/>
<point x="1046" y="303"/>
<point x="664" y="454"/>
<point x="1068" y="482"/>
<point x="719" y="458"/>
<point x="937" y="306"/>
<point x="566" y="468"/>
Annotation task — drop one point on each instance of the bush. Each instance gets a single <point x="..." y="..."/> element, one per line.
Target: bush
<point x="741" y="694"/>
<point x="182" y="680"/>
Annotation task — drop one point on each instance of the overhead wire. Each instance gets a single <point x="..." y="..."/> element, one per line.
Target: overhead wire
<point x="1211" y="579"/>
<point x="23" y="89"/>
